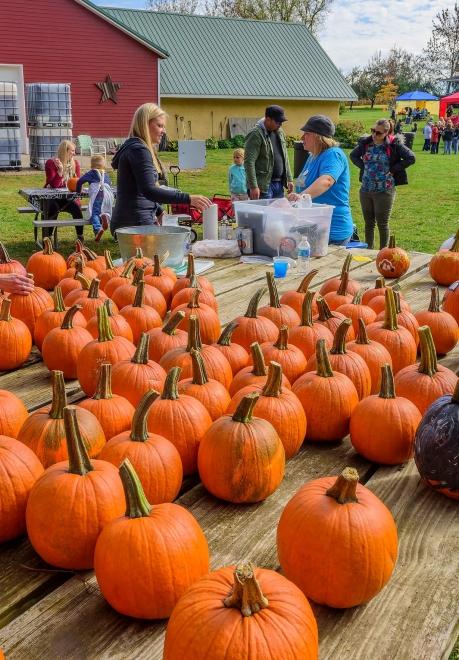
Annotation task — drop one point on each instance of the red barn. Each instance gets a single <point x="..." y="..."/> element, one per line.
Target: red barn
<point x="73" y="41"/>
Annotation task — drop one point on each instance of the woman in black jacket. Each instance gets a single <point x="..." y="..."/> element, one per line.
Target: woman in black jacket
<point x="382" y="162"/>
<point x="139" y="197"/>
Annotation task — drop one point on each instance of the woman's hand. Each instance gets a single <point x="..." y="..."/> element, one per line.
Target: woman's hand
<point x="59" y="166"/>
<point x="200" y="202"/>
<point x="293" y="197"/>
<point x="14" y="283"/>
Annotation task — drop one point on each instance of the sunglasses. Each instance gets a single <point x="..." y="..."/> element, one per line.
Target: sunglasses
<point x="375" y="132"/>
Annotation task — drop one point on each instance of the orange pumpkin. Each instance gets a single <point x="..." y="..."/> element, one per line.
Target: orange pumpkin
<point x="19" y="470"/>
<point x="75" y="255"/>
<point x="253" y="328"/>
<point x="334" y="282"/>
<point x="113" y="282"/>
<point x="279" y="406"/>
<point x="294" y="299"/>
<point x="373" y="353"/>
<point x="52" y="318"/>
<point x="47" y="267"/>
<point x="119" y="325"/>
<point x="89" y="273"/>
<point x="92" y="301"/>
<point x="130" y="583"/>
<point x="444" y="266"/>
<point x="72" y="183"/>
<point x="185" y="294"/>
<point x="289" y="356"/>
<point x="15" y="339"/>
<point x="305" y="335"/>
<point x="43" y="431"/>
<point x="126" y="295"/>
<point x="62" y="346"/>
<point x="356" y="310"/>
<point x="110" y="271"/>
<point x="209" y="323"/>
<point x="383" y="426"/>
<point x="255" y="373"/>
<point x="451" y="300"/>
<point x="248" y="608"/>
<point x="331" y="320"/>
<point x="13" y="414"/>
<point x="444" y="327"/>
<point x="404" y="317"/>
<point x="168" y="337"/>
<point x="94" y="261"/>
<point x="328" y="399"/>
<point x="392" y="261"/>
<point x="155" y="459"/>
<point x="241" y="458"/>
<point x="72" y="502"/>
<point x="340" y="297"/>
<point x="140" y="318"/>
<point x="74" y="282"/>
<point x="8" y="265"/>
<point x="337" y="527"/>
<point x="28" y="308"/>
<point x="236" y="355"/>
<point x="73" y="296"/>
<point x="212" y="394"/>
<point x="184" y="282"/>
<point x="275" y="312"/>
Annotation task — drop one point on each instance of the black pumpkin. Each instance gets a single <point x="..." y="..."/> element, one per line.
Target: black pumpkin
<point x="436" y="445"/>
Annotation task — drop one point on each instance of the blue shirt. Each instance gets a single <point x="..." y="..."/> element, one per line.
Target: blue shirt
<point x="333" y="162"/>
<point x="237" y="180"/>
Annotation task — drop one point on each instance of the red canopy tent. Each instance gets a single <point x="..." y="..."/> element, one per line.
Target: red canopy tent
<point x="446" y="101"/>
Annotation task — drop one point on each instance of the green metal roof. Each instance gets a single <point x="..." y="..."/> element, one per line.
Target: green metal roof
<point x="217" y="57"/>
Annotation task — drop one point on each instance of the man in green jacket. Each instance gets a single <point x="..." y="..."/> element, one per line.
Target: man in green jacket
<point x="266" y="160"/>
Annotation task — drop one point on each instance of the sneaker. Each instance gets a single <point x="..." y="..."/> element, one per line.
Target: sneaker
<point x="99" y="235"/>
<point x="105" y="221"/>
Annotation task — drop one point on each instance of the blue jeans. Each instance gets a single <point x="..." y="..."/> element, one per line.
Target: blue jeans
<point x="454" y="144"/>
<point x="345" y="242"/>
<point x="275" y="190"/>
<point x="447" y="147"/>
<point x="95" y="213"/>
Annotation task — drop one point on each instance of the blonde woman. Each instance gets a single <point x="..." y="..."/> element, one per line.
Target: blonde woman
<point x="139" y="197"/>
<point x="58" y="171"/>
<point x="326" y="176"/>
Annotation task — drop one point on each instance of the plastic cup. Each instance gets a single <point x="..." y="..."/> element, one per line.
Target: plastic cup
<point x="281" y="266"/>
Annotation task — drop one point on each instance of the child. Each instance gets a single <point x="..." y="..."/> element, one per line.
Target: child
<point x="100" y="195"/>
<point x="236" y="177"/>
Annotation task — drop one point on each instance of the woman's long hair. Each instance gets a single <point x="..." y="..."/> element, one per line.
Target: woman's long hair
<point x="67" y="163"/>
<point x="140" y="129"/>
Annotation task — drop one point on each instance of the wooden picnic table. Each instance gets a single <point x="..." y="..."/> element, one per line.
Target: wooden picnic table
<point x="46" y="613"/>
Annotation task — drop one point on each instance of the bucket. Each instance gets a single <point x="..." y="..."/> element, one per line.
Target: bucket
<point x="154" y="239"/>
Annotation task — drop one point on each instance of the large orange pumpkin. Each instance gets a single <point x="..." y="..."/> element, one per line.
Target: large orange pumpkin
<point x="253" y="328"/>
<point x="392" y="261"/>
<point x="72" y="502"/>
<point x="28" y="308"/>
<point x="209" y="323"/>
<point x="167" y="338"/>
<point x="444" y="327"/>
<point x="444" y="266"/>
<point x="47" y="267"/>
<point x="62" y="346"/>
<point x="140" y="318"/>
<point x="331" y="320"/>
<point x="126" y="294"/>
<point x="241" y="458"/>
<point x="290" y="357"/>
<point x="210" y="392"/>
<point x="333" y="283"/>
<point x="356" y="310"/>
<point x="13" y="414"/>
<point x="294" y="299"/>
<point x="244" y="608"/>
<point x="52" y="318"/>
<point x="115" y="281"/>
<point x="405" y="318"/>
<point x="90" y="301"/>
<point x="236" y="354"/>
<point x="19" y="470"/>
<point x="15" y="339"/>
<point x="337" y="541"/>
<point x="306" y="335"/>
<point x="373" y="353"/>
<point x="120" y="327"/>
<point x="254" y="374"/>
<point x="276" y="312"/>
<point x="8" y="265"/>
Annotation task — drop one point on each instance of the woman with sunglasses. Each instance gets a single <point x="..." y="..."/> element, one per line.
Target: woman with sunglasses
<point x="382" y="163"/>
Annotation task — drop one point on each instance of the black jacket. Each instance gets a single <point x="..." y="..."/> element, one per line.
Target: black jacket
<point x="138" y="198"/>
<point x="400" y="157"/>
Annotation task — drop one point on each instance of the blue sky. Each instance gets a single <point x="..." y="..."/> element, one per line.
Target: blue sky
<point x="355" y="29"/>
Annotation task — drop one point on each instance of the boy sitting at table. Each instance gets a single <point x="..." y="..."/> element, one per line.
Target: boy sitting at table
<point x="100" y="195"/>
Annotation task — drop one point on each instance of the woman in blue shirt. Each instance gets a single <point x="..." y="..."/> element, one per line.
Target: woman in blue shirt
<point x="326" y="176"/>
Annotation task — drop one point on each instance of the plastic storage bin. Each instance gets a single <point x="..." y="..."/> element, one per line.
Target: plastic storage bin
<point x="44" y="143"/>
<point x="10" y="148"/>
<point x="279" y="230"/>
<point x="49" y="103"/>
<point x="9" y="109"/>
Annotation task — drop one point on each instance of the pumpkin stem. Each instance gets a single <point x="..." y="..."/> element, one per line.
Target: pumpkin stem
<point x="339" y="340"/>
<point x="194" y="300"/>
<point x="85" y="283"/>
<point x="391" y="241"/>
<point x="79" y="462"/>
<point x="259" y="366"/>
<point x="455" y="245"/>
<point x="59" y="395"/>
<point x="127" y="270"/>
<point x="380" y="283"/>
<point x="109" y="265"/>
<point x="387" y="390"/>
<point x="139" y="294"/>
<point x="47" y="246"/>
<point x="362" y="336"/>
<point x="225" y="337"/>
<point x="434" y="300"/>
<point x="246" y="594"/>
<point x="306" y="309"/>
<point x="324" y="309"/>
<point x="104" y="383"/>
<point x="78" y="264"/>
<point x="323" y="363"/>
<point x="344" y="281"/>
<point x="398" y="306"/>
<point x="139" y="431"/>
<point x="344" y="490"/>
<point x="252" y="308"/>
<point x="170" y="390"/>
<point x="346" y="265"/>
<point x="141" y="352"/>
<point x="390" y="315"/>
<point x="199" y="368"/>
<point x="245" y="408"/>
<point x="170" y="328"/>
<point x="108" y="304"/>
<point x="357" y="299"/>
<point x="193" y="283"/>
<point x="156" y="266"/>
<point x="5" y="310"/>
<point x="138" y="253"/>
<point x="428" y="364"/>
<point x="137" y="505"/>
<point x="58" y="299"/>
<point x="138" y="275"/>
<point x="282" y="338"/>
<point x="306" y="281"/>
<point x="190" y="266"/>
<point x="94" y="288"/>
<point x="4" y="256"/>
<point x="67" y="323"/>
<point x="194" y="334"/>
<point x="273" y="386"/>
<point x="90" y="254"/>
<point x="272" y="290"/>
<point x="103" y="325"/>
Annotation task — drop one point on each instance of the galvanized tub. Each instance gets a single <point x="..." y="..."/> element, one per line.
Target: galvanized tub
<point x="154" y="239"/>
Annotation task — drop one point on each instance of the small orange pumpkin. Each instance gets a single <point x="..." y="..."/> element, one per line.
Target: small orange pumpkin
<point x="340" y="297"/>
<point x="331" y="320"/>
<point x="52" y="318"/>
<point x="184" y="282"/>
<point x="276" y="312"/>
<point x="253" y="328"/>
<point x="294" y="299"/>
<point x="47" y="267"/>
<point x="356" y="310"/>
<point x="212" y="394"/>
<point x="72" y="183"/>
<point x="13" y="414"/>
<point x="289" y="356"/>
<point x="209" y="323"/>
<point x="236" y="355"/>
<point x="334" y="282"/>
<point x="392" y="261"/>
<point x="62" y="346"/>
<point x="444" y="265"/>
<point x="140" y="318"/>
<point x="120" y="327"/>
<point x="255" y="373"/>
<point x="28" y="308"/>
<point x="373" y="353"/>
<point x="444" y="327"/>
<point x="168" y="337"/>
<point x="8" y="265"/>
<point x="451" y="300"/>
<point x="305" y="335"/>
<point x="15" y="339"/>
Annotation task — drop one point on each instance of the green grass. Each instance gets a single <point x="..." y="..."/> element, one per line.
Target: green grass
<point x="424" y="214"/>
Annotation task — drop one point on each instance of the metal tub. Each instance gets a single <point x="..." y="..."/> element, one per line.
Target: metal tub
<point x="154" y="239"/>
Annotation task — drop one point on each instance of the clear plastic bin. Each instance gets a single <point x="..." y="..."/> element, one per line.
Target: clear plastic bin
<point x="279" y="230"/>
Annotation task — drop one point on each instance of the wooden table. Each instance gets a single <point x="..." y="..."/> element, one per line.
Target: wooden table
<point x="59" y="614"/>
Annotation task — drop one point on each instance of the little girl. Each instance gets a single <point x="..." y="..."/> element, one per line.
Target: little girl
<point x="237" y="181"/>
<point x="100" y="195"/>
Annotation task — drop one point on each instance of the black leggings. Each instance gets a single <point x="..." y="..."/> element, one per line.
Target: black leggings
<point x="56" y="206"/>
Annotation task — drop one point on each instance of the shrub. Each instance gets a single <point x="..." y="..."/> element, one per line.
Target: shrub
<point x="224" y="144"/>
<point x="211" y="143"/>
<point x="342" y="108"/>
<point x="290" y="141"/>
<point x="172" y="145"/>
<point x="348" y="132"/>
<point x="238" y="141"/>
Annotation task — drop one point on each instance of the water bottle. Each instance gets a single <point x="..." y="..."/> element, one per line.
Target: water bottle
<point x="304" y="254"/>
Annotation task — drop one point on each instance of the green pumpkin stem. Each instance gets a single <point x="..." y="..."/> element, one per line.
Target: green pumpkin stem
<point x="194" y="282"/>
<point x="323" y="363"/>
<point x="83" y="280"/>
<point x="225" y="337"/>
<point x="272" y="290"/>
<point x="324" y="309"/>
<point x="346" y="265"/>
<point x="139" y="430"/>
<point x="170" y="390"/>
<point x="344" y="490"/>
<point x="380" y="283"/>
<point x="306" y="281"/>
<point x="455" y="245"/>
<point x="190" y="266"/>
<point x="199" y="368"/>
<point x="59" y="395"/>
<point x="103" y="325"/>
<point x="357" y="299"/>
<point x="79" y="462"/>
<point x="339" y="340"/>
<point x="4" y="256"/>
<point x="139" y="294"/>
<point x="58" y="299"/>
<point x="306" y="310"/>
<point x="137" y="505"/>
<point x="259" y="366"/>
<point x="343" y="283"/>
<point x="104" y="382"/>
<point x="94" y="288"/>
<point x="391" y="241"/>
<point x="194" y="334"/>
<point x="282" y="338"/>
<point x="47" y="246"/>
<point x="390" y="315"/>
<point x="428" y="364"/>
<point x="141" y="352"/>
<point x="362" y="336"/>
<point x="128" y="268"/>
<point x="434" y="300"/>
<point x="138" y="275"/>
<point x="170" y="328"/>
<point x="67" y="323"/>
<point x="5" y="310"/>
<point x="387" y="389"/>
<point x="252" y="308"/>
<point x="246" y="594"/>
<point x="273" y="386"/>
<point x="245" y="408"/>
<point x="108" y="304"/>
<point x="109" y="265"/>
<point x="138" y="253"/>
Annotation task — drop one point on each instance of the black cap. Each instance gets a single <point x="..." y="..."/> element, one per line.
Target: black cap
<point x="275" y="112"/>
<point x="319" y="124"/>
